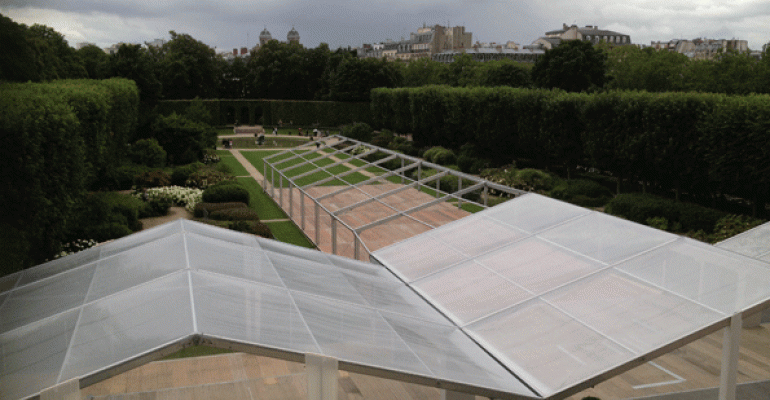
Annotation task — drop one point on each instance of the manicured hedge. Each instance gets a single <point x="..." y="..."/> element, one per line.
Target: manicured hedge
<point x="270" y="112"/>
<point x="53" y="136"/>
<point x="226" y="194"/>
<point x="683" y="217"/>
<point x="705" y="144"/>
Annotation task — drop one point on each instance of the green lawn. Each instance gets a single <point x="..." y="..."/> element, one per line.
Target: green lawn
<point x="288" y="232"/>
<point x="260" y="201"/>
<point x="270" y="142"/>
<point x="228" y="159"/>
<point x="256" y="157"/>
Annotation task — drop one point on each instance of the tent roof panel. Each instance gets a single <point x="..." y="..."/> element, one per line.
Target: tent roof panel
<point x="604" y="291"/>
<point x="158" y="288"/>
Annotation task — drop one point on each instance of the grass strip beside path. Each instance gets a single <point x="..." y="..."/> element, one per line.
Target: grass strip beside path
<point x="228" y="159"/>
<point x="260" y="202"/>
<point x="288" y="232"/>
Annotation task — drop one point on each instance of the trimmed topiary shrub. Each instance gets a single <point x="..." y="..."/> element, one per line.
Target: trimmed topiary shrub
<point x="359" y="131"/>
<point x="252" y="227"/>
<point x="202" y="209"/>
<point x="147" y="152"/>
<point x="235" y="214"/>
<point x="681" y="217"/>
<point x="181" y="174"/>
<point x="149" y="179"/>
<point x="581" y="192"/>
<point x="226" y="193"/>
<point x="440" y="155"/>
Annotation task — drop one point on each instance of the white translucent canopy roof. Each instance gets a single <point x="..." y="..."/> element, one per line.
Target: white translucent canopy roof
<point x="84" y="315"/>
<point x="753" y="243"/>
<point x="566" y="297"/>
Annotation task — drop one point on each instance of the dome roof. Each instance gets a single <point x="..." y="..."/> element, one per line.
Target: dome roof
<point x="265" y="35"/>
<point x="293" y="34"/>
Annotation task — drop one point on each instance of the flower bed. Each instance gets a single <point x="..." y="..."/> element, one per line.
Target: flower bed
<point x="179" y="196"/>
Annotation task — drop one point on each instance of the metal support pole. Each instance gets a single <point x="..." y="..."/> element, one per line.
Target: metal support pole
<point x="317" y="225"/>
<point x="486" y="195"/>
<point x="264" y="174"/>
<point x="321" y="377"/>
<point x="730" y="350"/>
<point x="334" y="234"/>
<point x="356" y="241"/>
<point x="402" y="173"/>
<point x="302" y="209"/>
<point x="460" y="187"/>
<point x="291" y="200"/>
<point x="272" y="182"/>
<point x="280" y="190"/>
<point x="419" y="175"/>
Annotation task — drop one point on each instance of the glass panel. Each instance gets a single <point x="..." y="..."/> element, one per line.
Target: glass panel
<point x="60" y="265"/>
<point x="138" y="265"/>
<point x="2" y="299"/>
<point x="215" y="232"/>
<point x="721" y="280"/>
<point x="251" y="313"/>
<point x="8" y="282"/>
<point x="140" y="238"/>
<point x="475" y="236"/>
<point x="45" y="298"/>
<point x="753" y="243"/>
<point x="547" y="348"/>
<point x="533" y="213"/>
<point x="356" y="334"/>
<point x="310" y="277"/>
<point x="131" y="323"/>
<point x="635" y="314"/>
<point x="32" y="356"/>
<point x="453" y="356"/>
<point x="605" y="238"/>
<point x="382" y="290"/>
<point x="227" y="258"/>
<point x="419" y="256"/>
<point x="469" y="291"/>
<point x="538" y="266"/>
<point x="765" y="258"/>
<point x="292" y="250"/>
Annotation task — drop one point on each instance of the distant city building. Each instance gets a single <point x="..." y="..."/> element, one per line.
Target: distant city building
<point x="265" y="36"/>
<point x="589" y="33"/>
<point x="156" y="43"/>
<point x="491" y="54"/>
<point x="292" y="36"/>
<point x="83" y="44"/>
<point x="702" y="49"/>
<point x="113" y="49"/>
<point x="426" y="42"/>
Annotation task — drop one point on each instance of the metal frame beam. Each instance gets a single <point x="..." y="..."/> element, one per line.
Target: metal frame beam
<point x="388" y="193"/>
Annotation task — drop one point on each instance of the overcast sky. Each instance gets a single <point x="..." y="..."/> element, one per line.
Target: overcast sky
<point x="226" y="24"/>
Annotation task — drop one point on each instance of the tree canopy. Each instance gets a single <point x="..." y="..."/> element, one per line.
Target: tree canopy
<point x="574" y="66"/>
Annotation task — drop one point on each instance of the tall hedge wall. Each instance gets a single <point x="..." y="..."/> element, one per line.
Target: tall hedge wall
<point x="52" y="136"/>
<point x="269" y="112"/>
<point x="702" y="143"/>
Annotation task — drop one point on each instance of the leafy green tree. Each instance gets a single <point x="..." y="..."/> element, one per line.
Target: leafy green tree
<point x="94" y="60"/>
<point x="574" y="66"/>
<point x="233" y="78"/>
<point x="354" y="78"/>
<point x="183" y="140"/>
<point x="424" y="71"/>
<point x="462" y="71"/>
<point x="58" y="59"/>
<point x="503" y="73"/>
<point x="278" y="71"/>
<point x="18" y="60"/>
<point x="632" y="68"/>
<point x="189" y="68"/>
<point x="131" y="61"/>
<point x="148" y="152"/>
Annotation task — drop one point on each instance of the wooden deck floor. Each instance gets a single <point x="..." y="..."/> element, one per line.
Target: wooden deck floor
<point x="375" y="238"/>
